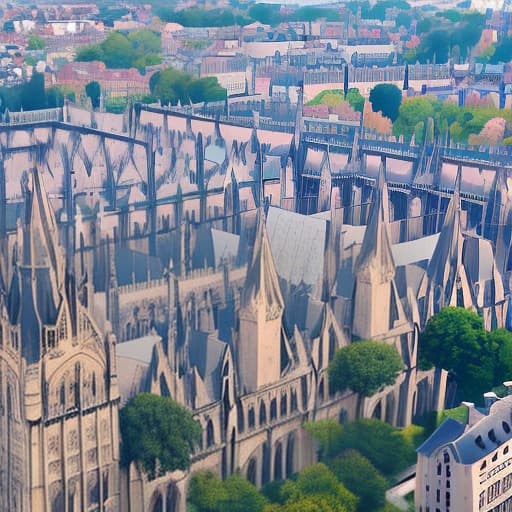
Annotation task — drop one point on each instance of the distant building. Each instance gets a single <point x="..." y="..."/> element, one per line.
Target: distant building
<point x="114" y="82"/>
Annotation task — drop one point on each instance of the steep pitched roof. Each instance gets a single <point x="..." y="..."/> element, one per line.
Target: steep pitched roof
<point x="376" y="254"/>
<point x="262" y="284"/>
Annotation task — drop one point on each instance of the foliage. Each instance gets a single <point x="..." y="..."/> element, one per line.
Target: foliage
<point x="412" y="112"/>
<point x="93" y="91"/>
<point x="376" y="121"/>
<point x="36" y="42"/>
<point x="197" y="17"/>
<point x="208" y="493"/>
<point x="450" y="31"/>
<point x="386" y="98"/>
<point x="364" y="367"/>
<point x="381" y="443"/>
<point x="158" y="434"/>
<point x="33" y="95"/>
<point x="355" y="99"/>
<point x="171" y="86"/>
<point x="317" y="480"/>
<point x="54" y="97"/>
<point x="138" y="49"/>
<point x="492" y="133"/>
<point x="501" y="339"/>
<point x="360" y="477"/>
<point x="314" y="503"/>
<point x="241" y="496"/>
<point x="413" y="435"/>
<point x="327" y="433"/>
<point x="455" y="339"/>
<point x="460" y="413"/>
<point x="503" y="52"/>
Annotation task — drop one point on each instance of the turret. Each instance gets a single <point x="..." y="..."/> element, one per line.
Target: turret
<point x="261" y="315"/>
<point x="376" y="304"/>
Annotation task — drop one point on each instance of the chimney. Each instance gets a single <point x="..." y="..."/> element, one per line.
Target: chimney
<point x="489" y="398"/>
<point x="508" y="385"/>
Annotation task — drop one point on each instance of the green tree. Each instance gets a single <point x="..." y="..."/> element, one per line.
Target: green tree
<point x="117" y="51"/>
<point x="36" y="42"/>
<point x="206" y="491"/>
<point x="364" y="367"/>
<point x="355" y="99"/>
<point x="89" y="53"/>
<point x="314" y="503"/>
<point x="381" y="443"/>
<point x="93" y="91"/>
<point x="501" y="343"/>
<point x="265" y="13"/>
<point x="206" y="89"/>
<point x="241" y="496"/>
<point x="318" y="481"/>
<point x="455" y="339"/>
<point x="54" y="97"/>
<point x="361" y="478"/>
<point x="33" y="95"/>
<point x="414" y="111"/>
<point x="386" y="98"/>
<point x="158" y="434"/>
<point x="327" y="433"/>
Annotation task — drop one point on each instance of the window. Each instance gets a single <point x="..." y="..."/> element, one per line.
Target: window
<point x="439" y="469"/>
<point x="506" y="427"/>
<point x="481" y="500"/>
<point x="251" y="415"/>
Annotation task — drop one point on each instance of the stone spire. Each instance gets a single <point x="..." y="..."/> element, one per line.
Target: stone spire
<point x="41" y="268"/>
<point x="445" y="282"/>
<point x="376" y="252"/>
<point x="262" y="284"/>
<point x="374" y="316"/>
<point x="261" y="342"/>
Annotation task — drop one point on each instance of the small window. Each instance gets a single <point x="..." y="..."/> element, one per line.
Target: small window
<point x="484" y="465"/>
<point x="495" y="457"/>
<point x="480" y="442"/>
<point x="506" y="427"/>
<point x="505" y="451"/>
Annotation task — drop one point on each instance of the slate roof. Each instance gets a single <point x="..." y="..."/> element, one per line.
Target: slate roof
<point x="298" y="244"/>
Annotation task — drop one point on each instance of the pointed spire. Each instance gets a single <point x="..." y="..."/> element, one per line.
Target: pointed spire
<point x="262" y="283"/>
<point x="40" y="241"/>
<point x="376" y="247"/>
<point x="446" y="280"/>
